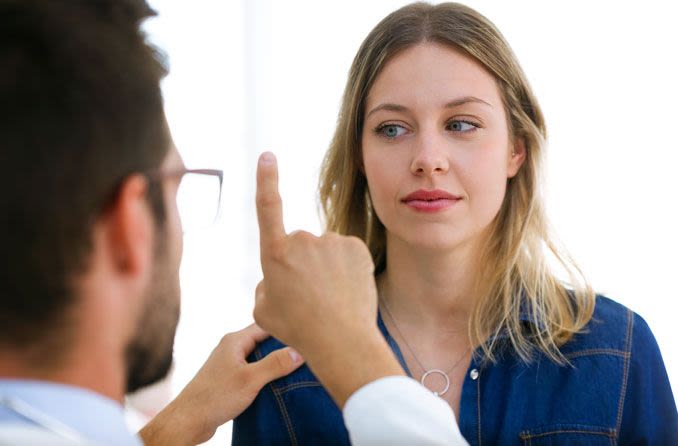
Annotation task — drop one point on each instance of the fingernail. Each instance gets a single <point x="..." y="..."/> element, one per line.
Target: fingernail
<point x="296" y="357"/>
<point x="267" y="158"/>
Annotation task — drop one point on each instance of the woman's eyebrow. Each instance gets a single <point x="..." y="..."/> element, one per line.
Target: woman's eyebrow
<point x="387" y="107"/>
<point x="401" y="108"/>
<point x="466" y="100"/>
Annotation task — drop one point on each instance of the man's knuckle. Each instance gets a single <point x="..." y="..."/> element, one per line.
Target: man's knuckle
<point x="302" y="237"/>
<point x="276" y="252"/>
<point x="279" y="362"/>
<point x="267" y="199"/>
<point x="259" y="314"/>
<point x="333" y="237"/>
<point x="225" y="339"/>
<point x="245" y="377"/>
<point x="355" y="242"/>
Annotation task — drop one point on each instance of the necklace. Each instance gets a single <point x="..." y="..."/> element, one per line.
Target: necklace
<point x="427" y="372"/>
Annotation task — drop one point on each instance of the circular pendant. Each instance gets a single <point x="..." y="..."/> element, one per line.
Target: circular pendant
<point x="436" y="372"/>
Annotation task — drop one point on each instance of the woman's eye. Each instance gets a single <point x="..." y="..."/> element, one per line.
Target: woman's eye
<point x="391" y="131"/>
<point x="461" y="126"/>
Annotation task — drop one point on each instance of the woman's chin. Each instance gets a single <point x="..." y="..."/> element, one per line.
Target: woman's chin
<point x="436" y="242"/>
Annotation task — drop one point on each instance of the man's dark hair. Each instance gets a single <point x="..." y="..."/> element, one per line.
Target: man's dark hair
<point x="80" y="109"/>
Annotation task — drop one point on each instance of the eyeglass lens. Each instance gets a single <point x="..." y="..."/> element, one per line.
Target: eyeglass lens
<point x="198" y="201"/>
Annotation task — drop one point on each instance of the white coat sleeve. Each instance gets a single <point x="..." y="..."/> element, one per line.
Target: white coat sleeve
<point x="397" y="410"/>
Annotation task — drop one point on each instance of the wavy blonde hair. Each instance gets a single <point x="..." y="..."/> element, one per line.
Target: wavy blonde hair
<point x="516" y="280"/>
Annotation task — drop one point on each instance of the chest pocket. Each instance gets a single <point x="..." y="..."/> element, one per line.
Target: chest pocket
<point x="568" y="434"/>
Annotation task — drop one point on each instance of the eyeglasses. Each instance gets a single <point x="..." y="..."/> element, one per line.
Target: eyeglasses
<point x="198" y="195"/>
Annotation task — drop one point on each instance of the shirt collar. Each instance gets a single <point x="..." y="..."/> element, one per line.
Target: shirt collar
<point x="96" y="418"/>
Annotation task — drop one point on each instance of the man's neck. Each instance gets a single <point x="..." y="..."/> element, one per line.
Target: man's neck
<point x="93" y="371"/>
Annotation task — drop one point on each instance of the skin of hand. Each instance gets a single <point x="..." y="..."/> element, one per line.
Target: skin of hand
<point x="222" y="389"/>
<point x="319" y="296"/>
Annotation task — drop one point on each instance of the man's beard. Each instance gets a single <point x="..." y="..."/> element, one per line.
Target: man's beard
<point x="149" y="354"/>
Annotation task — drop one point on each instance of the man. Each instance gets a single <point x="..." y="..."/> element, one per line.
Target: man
<point x="90" y="228"/>
<point x="90" y="295"/>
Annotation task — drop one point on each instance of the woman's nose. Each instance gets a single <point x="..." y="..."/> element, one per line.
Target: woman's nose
<point x="430" y="156"/>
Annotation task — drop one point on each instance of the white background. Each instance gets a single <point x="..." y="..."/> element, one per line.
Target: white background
<point x="248" y="76"/>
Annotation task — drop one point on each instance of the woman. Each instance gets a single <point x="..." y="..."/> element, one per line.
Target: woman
<point x="436" y="165"/>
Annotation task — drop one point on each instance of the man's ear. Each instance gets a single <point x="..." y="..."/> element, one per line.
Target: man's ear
<point x="130" y="228"/>
<point x="517" y="157"/>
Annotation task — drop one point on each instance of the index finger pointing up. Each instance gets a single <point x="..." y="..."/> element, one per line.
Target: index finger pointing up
<point x="269" y="204"/>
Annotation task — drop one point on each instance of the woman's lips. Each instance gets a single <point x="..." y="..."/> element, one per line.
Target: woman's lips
<point x="430" y="200"/>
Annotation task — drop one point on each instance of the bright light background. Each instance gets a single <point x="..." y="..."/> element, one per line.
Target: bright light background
<point x="248" y="76"/>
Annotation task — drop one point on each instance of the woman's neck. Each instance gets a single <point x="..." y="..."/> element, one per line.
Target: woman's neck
<point x="429" y="288"/>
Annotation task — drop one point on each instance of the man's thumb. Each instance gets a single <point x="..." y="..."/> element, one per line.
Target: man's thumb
<point x="276" y="365"/>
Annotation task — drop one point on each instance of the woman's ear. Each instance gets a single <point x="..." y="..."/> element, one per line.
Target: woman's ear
<point x="517" y="157"/>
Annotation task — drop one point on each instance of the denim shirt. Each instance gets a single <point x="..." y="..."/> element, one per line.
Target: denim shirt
<point x="616" y="391"/>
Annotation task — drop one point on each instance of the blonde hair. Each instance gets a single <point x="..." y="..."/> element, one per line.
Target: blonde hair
<point x="516" y="279"/>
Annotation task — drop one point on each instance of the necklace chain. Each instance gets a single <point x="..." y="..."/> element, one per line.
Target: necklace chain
<point x="427" y="371"/>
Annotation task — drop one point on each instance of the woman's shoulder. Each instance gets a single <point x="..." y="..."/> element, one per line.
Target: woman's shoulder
<point x="647" y="411"/>
<point x="267" y="346"/>
<point x="612" y="330"/>
<point x="610" y="311"/>
<point x="292" y="409"/>
<point x="300" y="377"/>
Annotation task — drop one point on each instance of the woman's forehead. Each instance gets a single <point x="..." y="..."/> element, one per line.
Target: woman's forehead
<point x="430" y="72"/>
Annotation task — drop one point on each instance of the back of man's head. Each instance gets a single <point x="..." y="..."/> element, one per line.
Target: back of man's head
<point x="80" y="109"/>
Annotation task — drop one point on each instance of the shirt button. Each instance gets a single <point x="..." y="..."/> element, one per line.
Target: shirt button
<point x="474" y="374"/>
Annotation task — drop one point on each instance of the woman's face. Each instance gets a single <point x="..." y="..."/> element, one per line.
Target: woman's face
<point x="436" y="147"/>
